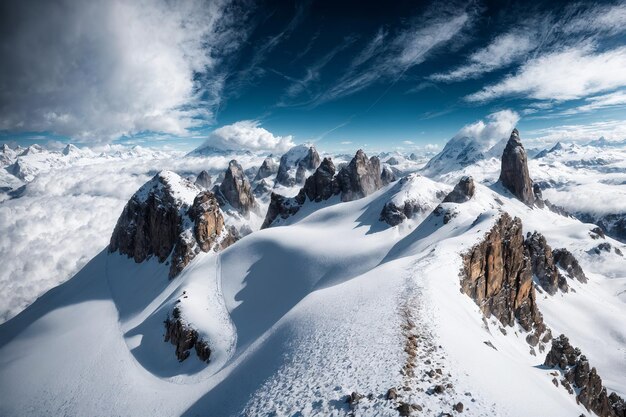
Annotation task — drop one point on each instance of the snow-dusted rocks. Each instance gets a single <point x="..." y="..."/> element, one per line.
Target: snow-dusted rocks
<point x="580" y="379"/>
<point x="497" y="275"/>
<point x="235" y="190"/>
<point x="514" y="174"/>
<point x="185" y="338"/>
<point x="166" y="218"/>
<point x="296" y="165"/>
<point x="387" y="176"/>
<point x="543" y="264"/>
<point x="267" y="169"/>
<point x="462" y="192"/>
<point x="415" y="196"/>
<point x="361" y="177"/>
<point x="566" y="261"/>
<point x="203" y="180"/>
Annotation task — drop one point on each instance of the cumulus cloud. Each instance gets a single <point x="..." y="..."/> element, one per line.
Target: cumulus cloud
<point x="98" y="70"/>
<point x="496" y="127"/>
<point x="504" y="50"/>
<point x="249" y="135"/>
<point x="565" y="75"/>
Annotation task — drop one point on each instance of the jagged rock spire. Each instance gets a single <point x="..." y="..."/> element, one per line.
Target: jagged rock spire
<point x="514" y="172"/>
<point x="236" y="189"/>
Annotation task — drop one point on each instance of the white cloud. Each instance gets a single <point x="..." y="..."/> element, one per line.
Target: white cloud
<point x="570" y="74"/>
<point x="617" y="98"/>
<point x="98" y="70"/>
<point x="346" y="142"/>
<point x="611" y="130"/>
<point x="498" y="126"/>
<point x="408" y="142"/>
<point x="248" y="134"/>
<point x="504" y="50"/>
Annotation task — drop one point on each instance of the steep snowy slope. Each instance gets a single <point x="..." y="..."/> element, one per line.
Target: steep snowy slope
<point x="331" y="303"/>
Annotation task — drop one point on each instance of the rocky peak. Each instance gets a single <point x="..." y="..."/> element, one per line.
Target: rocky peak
<point x="321" y="185"/>
<point x="514" y="174"/>
<point x="387" y="176"/>
<point x="168" y="219"/>
<point x="70" y="149"/>
<point x="267" y="169"/>
<point x="204" y="180"/>
<point x="566" y="261"/>
<point x="235" y="189"/>
<point x="360" y="178"/>
<point x="543" y="264"/>
<point x="462" y="192"/>
<point x="296" y="164"/>
<point x="580" y="379"/>
<point x="497" y="275"/>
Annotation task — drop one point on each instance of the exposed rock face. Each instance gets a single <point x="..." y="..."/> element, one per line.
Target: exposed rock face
<point x="578" y="375"/>
<point x="151" y="221"/>
<point x="208" y="220"/>
<point x="462" y="192"/>
<point x="283" y="207"/>
<point x="236" y="190"/>
<point x="185" y="338"/>
<point x="295" y="164"/>
<point x="543" y="266"/>
<point x="538" y="196"/>
<point x="514" y="173"/>
<point x="387" y="176"/>
<point x="321" y="185"/>
<point x="159" y="221"/>
<point x="613" y="224"/>
<point x="564" y="259"/>
<point x="360" y="178"/>
<point x="203" y="180"/>
<point x="356" y="180"/>
<point x="497" y="275"/>
<point x="267" y="169"/>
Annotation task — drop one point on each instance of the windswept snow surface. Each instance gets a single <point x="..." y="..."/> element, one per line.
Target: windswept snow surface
<point x="303" y="314"/>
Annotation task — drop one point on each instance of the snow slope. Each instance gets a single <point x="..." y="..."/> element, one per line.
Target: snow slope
<point x="304" y="314"/>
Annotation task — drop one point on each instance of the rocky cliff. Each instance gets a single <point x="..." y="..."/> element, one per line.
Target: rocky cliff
<point x="170" y="219"/>
<point x="235" y="190"/>
<point x="543" y="265"/>
<point x="497" y="275"/>
<point x="204" y="180"/>
<point x="580" y="379"/>
<point x="514" y="174"/>
<point x="267" y="169"/>
<point x="462" y="192"/>
<point x="360" y="178"/>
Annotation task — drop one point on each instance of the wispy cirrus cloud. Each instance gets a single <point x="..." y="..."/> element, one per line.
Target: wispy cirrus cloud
<point x="385" y="56"/>
<point x="114" y="68"/>
<point x="503" y="51"/>
<point x="611" y="130"/>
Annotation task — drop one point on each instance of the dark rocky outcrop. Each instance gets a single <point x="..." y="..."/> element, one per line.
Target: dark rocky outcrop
<point x="581" y="379"/>
<point x="360" y="178"/>
<point x="462" y="192"/>
<point x="322" y="184"/>
<point x="387" y="176"/>
<point x="185" y="338"/>
<point x="236" y="191"/>
<point x="356" y="180"/>
<point x="514" y="174"/>
<point x="497" y="275"/>
<point x="282" y="207"/>
<point x="612" y="224"/>
<point x="267" y="169"/>
<point x="156" y="221"/>
<point x="566" y="261"/>
<point x="538" y="196"/>
<point x="543" y="264"/>
<point x="204" y="180"/>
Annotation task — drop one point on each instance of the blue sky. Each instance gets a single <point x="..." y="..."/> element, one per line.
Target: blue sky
<point x="349" y="74"/>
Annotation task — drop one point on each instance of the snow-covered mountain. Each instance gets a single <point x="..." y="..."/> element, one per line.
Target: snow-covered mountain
<point x="417" y="297"/>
